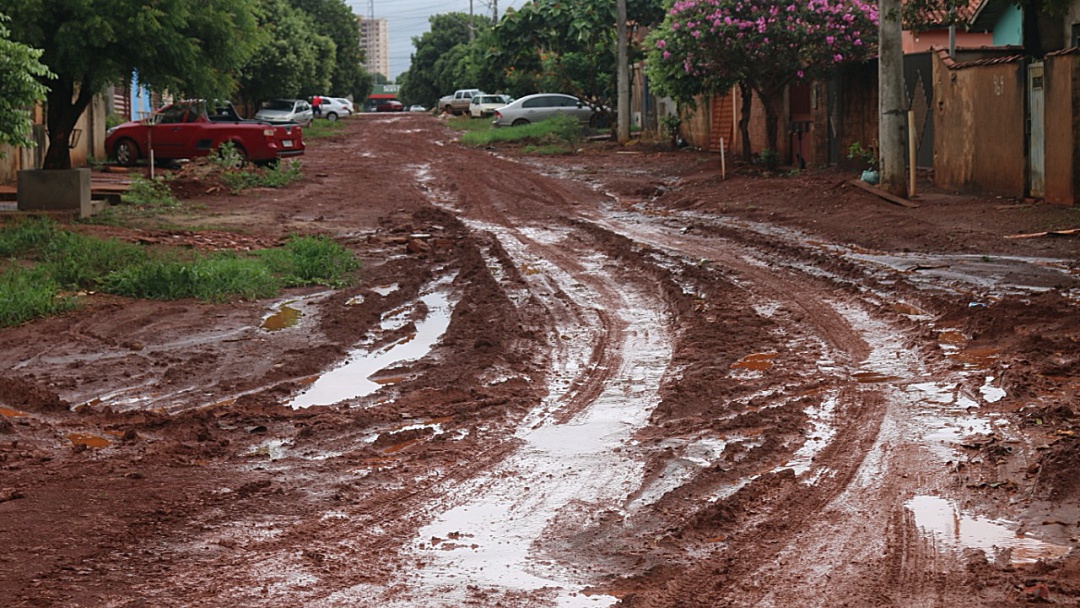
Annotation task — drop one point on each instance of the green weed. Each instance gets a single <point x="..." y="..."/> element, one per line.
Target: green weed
<point x="278" y="176"/>
<point x="214" y="278"/>
<point x="29" y="293"/>
<point x="311" y="260"/>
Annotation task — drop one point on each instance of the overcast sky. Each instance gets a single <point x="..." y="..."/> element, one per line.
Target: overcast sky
<point x="408" y="18"/>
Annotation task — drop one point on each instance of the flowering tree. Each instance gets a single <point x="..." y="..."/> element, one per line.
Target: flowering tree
<point x="706" y="46"/>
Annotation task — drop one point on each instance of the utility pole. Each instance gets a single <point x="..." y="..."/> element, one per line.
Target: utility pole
<point x="891" y="98"/>
<point x="472" y="32"/>
<point x="623" y="81"/>
<point x="494" y="11"/>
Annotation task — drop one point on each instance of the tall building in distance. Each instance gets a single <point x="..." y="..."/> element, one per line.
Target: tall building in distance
<point x="375" y="42"/>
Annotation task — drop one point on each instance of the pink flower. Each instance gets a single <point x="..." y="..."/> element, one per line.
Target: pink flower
<point x="660" y="44"/>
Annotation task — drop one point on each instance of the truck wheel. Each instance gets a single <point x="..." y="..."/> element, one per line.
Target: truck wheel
<point x="519" y="122"/>
<point x="450" y="109"/>
<point x="126" y="153"/>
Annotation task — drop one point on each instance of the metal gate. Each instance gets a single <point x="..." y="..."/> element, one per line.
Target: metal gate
<point x="1036" y="125"/>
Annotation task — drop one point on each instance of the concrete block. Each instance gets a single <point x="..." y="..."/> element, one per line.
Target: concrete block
<point x="55" y="190"/>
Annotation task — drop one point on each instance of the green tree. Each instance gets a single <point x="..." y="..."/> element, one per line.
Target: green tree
<point x="431" y="75"/>
<point x="567" y="46"/>
<point x="334" y="19"/>
<point x="20" y="70"/>
<point x="707" y="45"/>
<point x="292" y="57"/>
<point x="188" y="47"/>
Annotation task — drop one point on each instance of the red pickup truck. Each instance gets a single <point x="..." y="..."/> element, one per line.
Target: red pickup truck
<point x="196" y="128"/>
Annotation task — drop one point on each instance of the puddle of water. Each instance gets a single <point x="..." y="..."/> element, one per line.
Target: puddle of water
<point x="285" y="317"/>
<point x="822" y="430"/>
<point x="757" y="362"/>
<point x="976" y="358"/>
<point x="353" y="379"/>
<point x="90" y="441"/>
<point x="991" y="393"/>
<point x="385" y="290"/>
<point x="10" y="413"/>
<point x="951" y="529"/>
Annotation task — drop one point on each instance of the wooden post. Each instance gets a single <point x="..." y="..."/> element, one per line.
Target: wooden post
<point x="911" y="152"/>
<point x="723" y="162"/>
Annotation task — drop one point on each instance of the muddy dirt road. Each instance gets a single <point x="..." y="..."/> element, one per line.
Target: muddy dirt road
<point x="607" y="379"/>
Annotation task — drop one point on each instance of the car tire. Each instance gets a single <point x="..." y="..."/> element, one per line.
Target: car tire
<point x="126" y="153"/>
<point x="332" y="116"/>
<point x="450" y="110"/>
<point x="519" y="122"/>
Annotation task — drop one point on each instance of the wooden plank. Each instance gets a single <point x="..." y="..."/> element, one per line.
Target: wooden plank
<point x="1031" y="235"/>
<point x="883" y="195"/>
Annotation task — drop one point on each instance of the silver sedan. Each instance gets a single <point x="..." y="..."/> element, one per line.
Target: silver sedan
<point x="541" y="106"/>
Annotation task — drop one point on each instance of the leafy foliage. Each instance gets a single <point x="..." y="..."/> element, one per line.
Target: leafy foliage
<point x="556" y="45"/>
<point x="292" y="56"/>
<point x="706" y="46"/>
<point x="335" y="20"/>
<point x="19" y="70"/>
<point x="437" y="64"/>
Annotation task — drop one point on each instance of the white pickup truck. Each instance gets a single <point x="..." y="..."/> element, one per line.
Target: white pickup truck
<point x="458" y="103"/>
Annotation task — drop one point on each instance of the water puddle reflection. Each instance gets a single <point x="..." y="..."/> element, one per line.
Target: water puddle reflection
<point x="354" y="378"/>
<point x="284" y="317"/>
<point x="951" y="529"/>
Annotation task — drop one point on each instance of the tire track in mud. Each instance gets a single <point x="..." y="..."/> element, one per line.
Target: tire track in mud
<point x="795" y="293"/>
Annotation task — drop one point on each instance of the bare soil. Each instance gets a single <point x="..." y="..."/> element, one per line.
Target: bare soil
<point x="632" y="382"/>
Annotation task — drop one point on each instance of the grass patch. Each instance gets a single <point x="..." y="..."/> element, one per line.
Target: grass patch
<point x="278" y="176"/>
<point x="324" y="128"/>
<point x="559" y="133"/>
<point x="311" y="260"/>
<point x="219" y="277"/>
<point x="44" y="261"/>
<point x="468" y="123"/>
<point x="29" y="293"/>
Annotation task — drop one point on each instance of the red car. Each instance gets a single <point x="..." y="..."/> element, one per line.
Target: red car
<point x="195" y="128"/>
<point x="390" y="105"/>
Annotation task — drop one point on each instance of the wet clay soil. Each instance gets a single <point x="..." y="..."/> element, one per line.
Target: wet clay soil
<point x="606" y="379"/>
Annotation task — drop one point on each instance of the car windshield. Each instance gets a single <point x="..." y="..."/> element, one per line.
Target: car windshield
<point x="279" y="104"/>
<point x="491" y="99"/>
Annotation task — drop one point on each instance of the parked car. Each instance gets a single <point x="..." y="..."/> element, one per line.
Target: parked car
<point x="417" y="108"/>
<point x="541" y="106"/>
<point x="280" y="111"/>
<point x="332" y="108"/>
<point x="458" y="102"/>
<point x="389" y="105"/>
<point x="484" y="105"/>
<point x="192" y="128"/>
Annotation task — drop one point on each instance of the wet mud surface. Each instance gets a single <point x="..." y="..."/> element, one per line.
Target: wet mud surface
<point x="607" y="379"/>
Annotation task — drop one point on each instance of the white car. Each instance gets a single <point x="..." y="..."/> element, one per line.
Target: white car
<point x="332" y="108"/>
<point x="282" y="111"/>
<point x="417" y="108"/>
<point x="485" y="105"/>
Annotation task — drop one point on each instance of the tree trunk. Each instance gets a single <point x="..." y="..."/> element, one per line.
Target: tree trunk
<point x="623" y="82"/>
<point x="772" y="118"/>
<point x="746" y="95"/>
<point x="891" y="99"/>
<point x="62" y="113"/>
